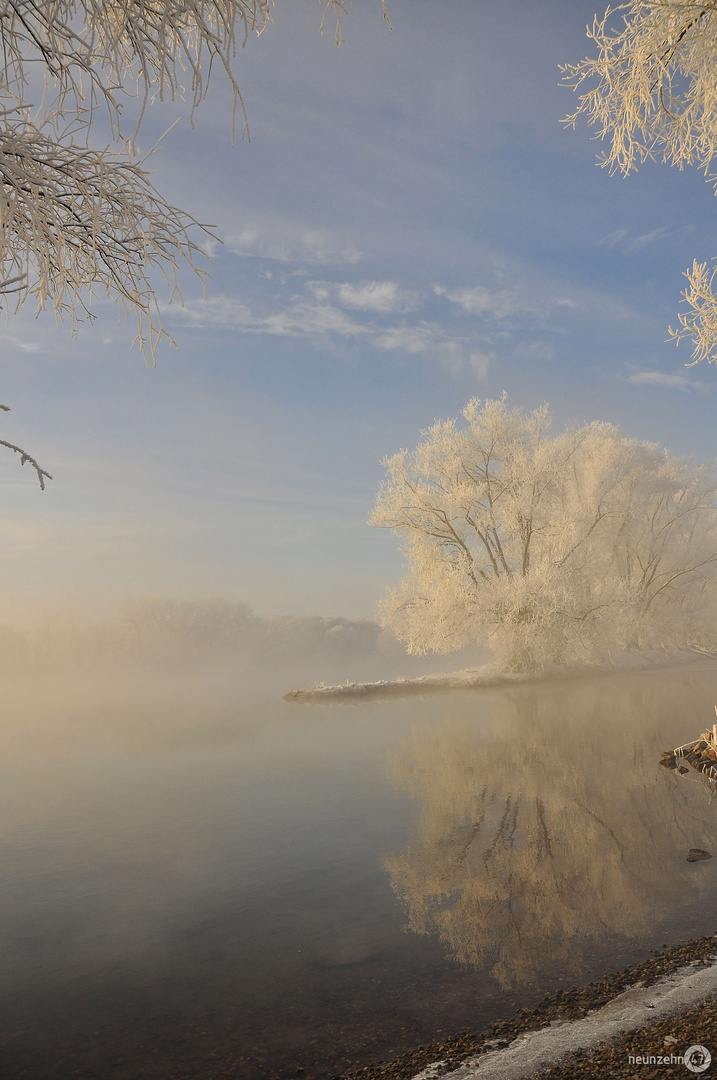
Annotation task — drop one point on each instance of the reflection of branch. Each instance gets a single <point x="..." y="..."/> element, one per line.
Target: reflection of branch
<point x="544" y="839"/>
<point x="24" y="456"/>
<point x="507" y="828"/>
<point x="459" y="859"/>
<point x="603" y="824"/>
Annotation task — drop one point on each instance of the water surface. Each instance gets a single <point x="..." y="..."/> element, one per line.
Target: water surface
<point x="200" y="879"/>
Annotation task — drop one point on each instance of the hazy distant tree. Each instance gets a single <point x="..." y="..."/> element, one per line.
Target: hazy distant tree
<point x="169" y="630"/>
<point x="656" y="98"/>
<point x="549" y="549"/>
<point x="162" y="628"/>
<point x="77" y="221"/>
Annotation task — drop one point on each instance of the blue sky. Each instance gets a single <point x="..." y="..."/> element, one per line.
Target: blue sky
<point x="410" y="226"/>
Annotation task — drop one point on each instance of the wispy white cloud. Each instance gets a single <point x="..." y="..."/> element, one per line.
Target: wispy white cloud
<point x="289" y="242"/>
<point x="379" y="313"/>
<point x="379" y="297"/>
<point x="649" y="238"/>
<point x="412" y="339"/>
<point x="455" y="352"/>
<point x="511" y="303"/>
<point x="479" y="363"/>
<point x="391" y="318"/>
<point x="313" y="314"/>
<point x="383" y="297"/>
<point x="613" y="238"/>
<point x="300" y="318"/>
<point x="15" y="342"/>
<point x="667" y="381"/>
<point x="621" y="237"/>
<point x="305" y="319"/>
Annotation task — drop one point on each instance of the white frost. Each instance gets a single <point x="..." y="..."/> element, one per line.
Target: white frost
<point x="535" y="1051"/>
<point x="470" y="678"/>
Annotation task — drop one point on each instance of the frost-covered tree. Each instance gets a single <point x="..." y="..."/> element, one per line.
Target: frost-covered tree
<point x="551" y="549"/>
<point x="78" y="221"/>
<point x="654" y="96"/>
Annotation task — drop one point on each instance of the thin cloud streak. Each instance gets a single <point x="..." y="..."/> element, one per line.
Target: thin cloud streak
<point x="513" y="302"/>
<point x="290" y="242"/>
<point x="308" y="319"/>
<point x="621" y="237"/>
<point x="300" y="319"/>
<point x="383" y="297"/>
<point x="668" y="381"/>
<point x="25" y="346"/>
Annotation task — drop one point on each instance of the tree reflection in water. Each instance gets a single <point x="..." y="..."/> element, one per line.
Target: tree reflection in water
<point x="547" y="824"/>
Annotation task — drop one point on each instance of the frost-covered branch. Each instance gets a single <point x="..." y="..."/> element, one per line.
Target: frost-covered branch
<point x="24" y="456"/>
<point x="656" y="75"/>
<point x="337" y="8"/>
<point x="42" y="475"/>
<point x="699" y="324"/>
<point x="651" y="93"/>
<point x="12" y="285"/>
<point x="95" y="52"/>
<point x="76" y="221"/>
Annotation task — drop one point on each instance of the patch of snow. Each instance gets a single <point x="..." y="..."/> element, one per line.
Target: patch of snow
<point x="470" y="678"/>
<point x="535" y="1051"/>
<point x="454" y="680"/>
<point x="431" y="1073"/>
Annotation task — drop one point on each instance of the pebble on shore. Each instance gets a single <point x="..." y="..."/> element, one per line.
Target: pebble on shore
<point x="608" y="1062"/>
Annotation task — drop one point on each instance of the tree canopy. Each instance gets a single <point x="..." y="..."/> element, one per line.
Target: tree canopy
<point x="551" y="549"/>
<point x="655" y="97"/>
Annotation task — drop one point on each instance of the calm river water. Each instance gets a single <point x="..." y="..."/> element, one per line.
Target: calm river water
<point x="199" y="879"/>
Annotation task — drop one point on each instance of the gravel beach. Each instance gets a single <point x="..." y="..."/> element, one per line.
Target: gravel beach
<point x="696" y="1025"/>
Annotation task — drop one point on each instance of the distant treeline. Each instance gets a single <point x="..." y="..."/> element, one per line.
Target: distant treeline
<point x="165" y="631"/>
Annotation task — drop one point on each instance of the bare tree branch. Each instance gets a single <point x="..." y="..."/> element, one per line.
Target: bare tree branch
<point x="42" y="475"/>
<point x="24" y="456"/>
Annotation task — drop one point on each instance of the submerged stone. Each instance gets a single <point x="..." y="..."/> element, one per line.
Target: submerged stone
<point x="696" y="854"/>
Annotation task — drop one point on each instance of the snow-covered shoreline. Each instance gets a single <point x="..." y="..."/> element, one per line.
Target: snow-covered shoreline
<point x="533" y="1052"/>
<point x="454" y="680"/>
<point x="487" y="676"/>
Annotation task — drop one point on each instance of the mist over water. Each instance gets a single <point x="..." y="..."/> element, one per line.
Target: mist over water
<point x="161" y="633"/>
<point x="198" y="874"/>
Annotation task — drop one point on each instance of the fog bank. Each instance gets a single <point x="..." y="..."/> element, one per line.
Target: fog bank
<point x="163" y="632"/>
